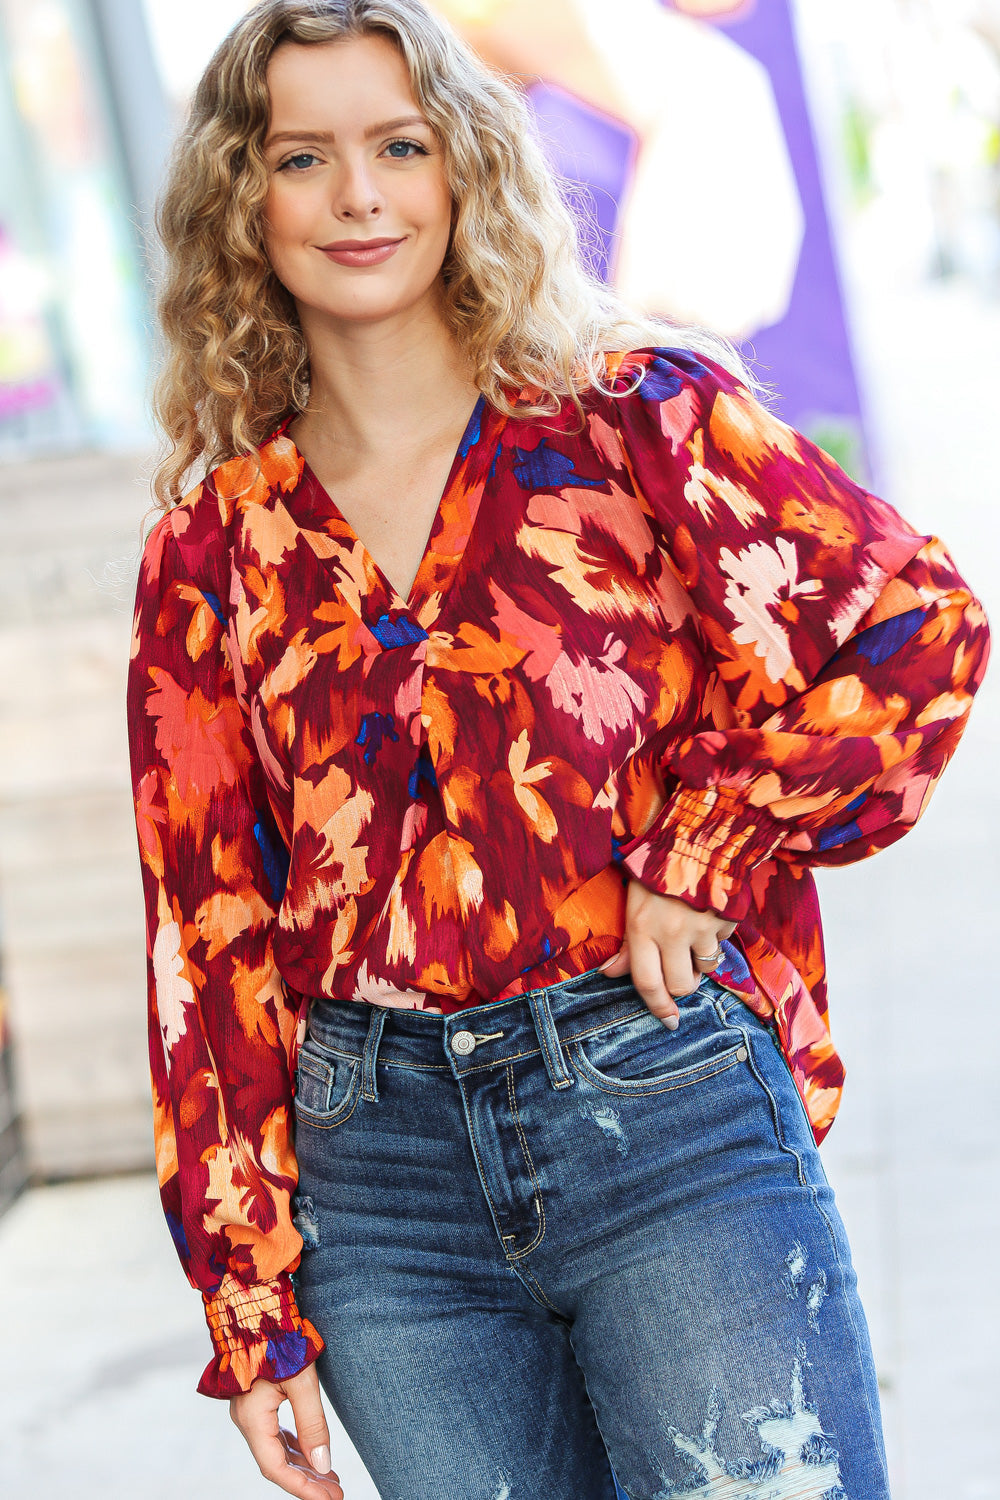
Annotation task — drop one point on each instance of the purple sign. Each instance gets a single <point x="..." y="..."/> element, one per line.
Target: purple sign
<point x="596" y="156"/>
<point x="807" y="356"/>
<point x="691" y="161"/>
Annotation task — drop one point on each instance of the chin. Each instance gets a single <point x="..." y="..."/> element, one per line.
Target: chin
<point x="373" y="309"/>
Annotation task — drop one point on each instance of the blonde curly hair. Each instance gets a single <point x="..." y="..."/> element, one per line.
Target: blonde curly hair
<point x="517" y="295"/>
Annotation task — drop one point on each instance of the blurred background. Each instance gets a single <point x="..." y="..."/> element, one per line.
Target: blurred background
<point x="819" y="179"/>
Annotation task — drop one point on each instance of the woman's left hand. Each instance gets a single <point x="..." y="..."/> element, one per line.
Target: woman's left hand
<point x="668" y="947"/>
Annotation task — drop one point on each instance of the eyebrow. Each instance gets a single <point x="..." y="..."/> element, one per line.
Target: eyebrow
<point x="326" y="137"/>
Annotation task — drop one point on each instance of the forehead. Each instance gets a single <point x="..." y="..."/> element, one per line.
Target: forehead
<point x="352" y="80"/>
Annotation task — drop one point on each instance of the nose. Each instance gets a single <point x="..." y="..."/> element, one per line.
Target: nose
<point x="356" y="194"/>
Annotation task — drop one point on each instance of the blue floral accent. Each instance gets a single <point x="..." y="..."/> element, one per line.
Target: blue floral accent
<point x="735" y="966"/>
<point x="375" y="728"/>
<point x="218" y="1269"/>
<point x="403" y="631"/>
<point x="286" y="1353"/>
<point x="879" y="642"/>
<point x="214" y="604"/>
<point x="669" y="373"/>
<point x="842" y="833"/>
<point x="274" y="855"/>
<point x="832" y="838"/>
<point x="545" y="468"/>
<point x="423" y="772"/>
<point x="545" y="954"/>
<point x="471" y="435"/>
<point x="178" y="1236"/>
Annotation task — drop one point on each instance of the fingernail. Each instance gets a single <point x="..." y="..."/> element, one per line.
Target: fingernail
<point x="320" y="1460"/>
<point x="671" y="1022"/>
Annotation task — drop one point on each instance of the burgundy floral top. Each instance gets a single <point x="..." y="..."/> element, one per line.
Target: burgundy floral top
<point x="678" y="645"/>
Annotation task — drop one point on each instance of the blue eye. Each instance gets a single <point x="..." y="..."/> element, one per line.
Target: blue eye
<point x="299" y="162"/>
<point x="404" y="154"/>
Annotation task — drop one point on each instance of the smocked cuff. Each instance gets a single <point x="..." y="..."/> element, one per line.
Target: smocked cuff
<point x="702" y="848"/>
<point x="258" y="1335"/>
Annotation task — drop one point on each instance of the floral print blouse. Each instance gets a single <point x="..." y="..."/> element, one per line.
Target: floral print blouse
<point x="671" y="643"/>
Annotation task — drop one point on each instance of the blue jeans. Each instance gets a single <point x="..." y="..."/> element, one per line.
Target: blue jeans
<point x="548" y="1233"/>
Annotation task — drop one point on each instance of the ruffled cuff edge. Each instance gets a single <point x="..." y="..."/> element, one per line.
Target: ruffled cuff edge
<point x="258" y="1334"/>
<point x="702" y="848"/>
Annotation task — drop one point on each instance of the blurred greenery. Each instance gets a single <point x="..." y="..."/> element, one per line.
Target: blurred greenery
<point x="857" y="124"/>
<point x="843" y="441"/>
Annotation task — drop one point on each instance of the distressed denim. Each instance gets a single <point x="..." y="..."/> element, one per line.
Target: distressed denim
<point x="548" y="1236"/>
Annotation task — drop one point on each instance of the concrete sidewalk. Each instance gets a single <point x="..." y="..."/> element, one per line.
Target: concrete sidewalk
<point x="101" y="1340"/>
<point x="98" y="1366"/>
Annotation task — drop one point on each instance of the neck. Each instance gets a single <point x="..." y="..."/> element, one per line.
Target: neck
<point x="377" y="385"/>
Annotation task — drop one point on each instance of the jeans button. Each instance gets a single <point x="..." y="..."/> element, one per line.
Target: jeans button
<point x="462" y="1043"/>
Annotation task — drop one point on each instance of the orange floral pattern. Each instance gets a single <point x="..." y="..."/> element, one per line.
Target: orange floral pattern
<point x="675" y="644"/>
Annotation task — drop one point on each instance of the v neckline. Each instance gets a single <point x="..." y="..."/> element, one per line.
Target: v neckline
<point x="450" y="529"/>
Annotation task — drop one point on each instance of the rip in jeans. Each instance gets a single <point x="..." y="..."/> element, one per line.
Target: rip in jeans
<point x="305" y="1220"/>
<point x="798" y="1462"/>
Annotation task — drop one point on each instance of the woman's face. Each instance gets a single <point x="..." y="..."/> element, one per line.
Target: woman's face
<point x="357" y="218"/>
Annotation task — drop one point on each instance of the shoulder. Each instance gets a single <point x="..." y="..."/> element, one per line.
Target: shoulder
<point x="656" y="395"/>
<point x="658" y="374"/>
<point x="702" y="411"/>
<point x="196" y="536"/>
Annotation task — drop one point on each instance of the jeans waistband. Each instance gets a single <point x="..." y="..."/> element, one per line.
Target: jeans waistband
<point x="540" y="1022"/>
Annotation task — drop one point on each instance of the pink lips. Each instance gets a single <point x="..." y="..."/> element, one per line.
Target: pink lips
<point x="360" y="252"/>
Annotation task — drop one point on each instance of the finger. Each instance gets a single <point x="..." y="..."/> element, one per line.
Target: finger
<point x="618" y="963"/>
<point x="327" y="1484"/>
<point x="707" y="953"/>
<point x="310" y="1419"/>
<point x="679" y="973"/>
<point x="648" y="978"/>
<point x="274" y="1454"/>
<point x="706" y="962"/>
<point x="256" y="1415"/>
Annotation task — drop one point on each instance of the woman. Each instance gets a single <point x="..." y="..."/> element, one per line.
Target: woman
<point x="491" y="700"/>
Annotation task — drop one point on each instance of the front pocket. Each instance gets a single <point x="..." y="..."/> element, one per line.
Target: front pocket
<point x="640" y="1056"/>
<point x="327" y="1087"/>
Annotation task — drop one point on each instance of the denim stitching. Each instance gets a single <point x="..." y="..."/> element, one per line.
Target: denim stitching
<point x="482" y="1175"/>
<point x="355" y="1057"/>
<point x="575" y="1036"/>
<point x="419" y="1067"/>
<point x="316" y="1067"/>
<point x="633" y="1015"/>
<point x="500" y="1062"/>
<point x="638" y="1089"/>
<point x="558" y="1073"/>
<point x="783" y="1142"/>
<point x="369" y="1059"/>
<point x="533" y="1286"/>
<point x="813" y="1193"/>
<point x="551" y="1068"/>
<point x="571" y="984"/>
<point x="330" y="1121"/>
<point x="531" y="1168"/>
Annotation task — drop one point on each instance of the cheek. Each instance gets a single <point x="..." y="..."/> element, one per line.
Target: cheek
<point x="433" y="207"/>
<point x="285" y="219"/>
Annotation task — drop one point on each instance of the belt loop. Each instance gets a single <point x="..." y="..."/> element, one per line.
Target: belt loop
<point x="369" y="1088"/>
<point x="553" y="1056"/>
